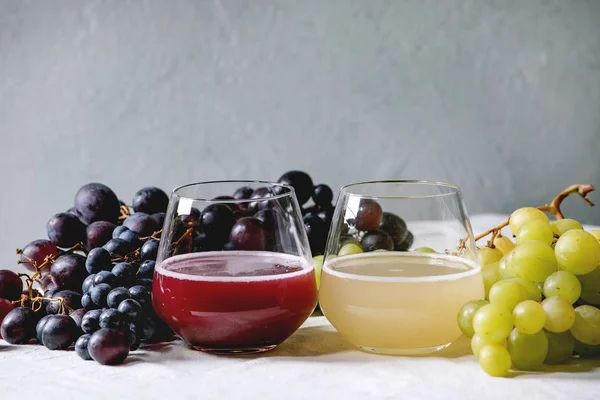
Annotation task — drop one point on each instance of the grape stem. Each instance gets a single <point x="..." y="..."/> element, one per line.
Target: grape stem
<point x="552" y="208"/>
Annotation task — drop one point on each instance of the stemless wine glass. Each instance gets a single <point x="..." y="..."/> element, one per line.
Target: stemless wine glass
<point x="234" y="271"/>
<point x="399" y="263"/>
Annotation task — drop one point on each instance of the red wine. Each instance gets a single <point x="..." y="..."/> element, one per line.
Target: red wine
<point x="234" y="301"/>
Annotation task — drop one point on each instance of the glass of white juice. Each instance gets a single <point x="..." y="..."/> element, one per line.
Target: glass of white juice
<point x="398" y="266"/>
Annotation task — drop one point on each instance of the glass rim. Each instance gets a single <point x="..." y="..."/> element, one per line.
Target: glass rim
<point x="455" y="189"/>
<point x="291" y="191"/>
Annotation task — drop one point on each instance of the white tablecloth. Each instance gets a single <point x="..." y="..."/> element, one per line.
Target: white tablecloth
<point x="315" y="363"/>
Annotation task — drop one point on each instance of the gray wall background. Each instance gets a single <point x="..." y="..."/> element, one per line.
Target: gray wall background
<point x="500" y="97"/>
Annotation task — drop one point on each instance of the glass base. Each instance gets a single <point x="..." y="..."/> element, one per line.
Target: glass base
<point x="403" y="351"/>
<point x="233" y="351"/>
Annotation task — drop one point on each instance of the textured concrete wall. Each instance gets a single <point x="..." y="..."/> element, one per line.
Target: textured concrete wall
<point x="500" y="97"/>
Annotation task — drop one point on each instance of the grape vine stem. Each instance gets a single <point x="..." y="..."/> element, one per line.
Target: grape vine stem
<point x="552" y="208"/>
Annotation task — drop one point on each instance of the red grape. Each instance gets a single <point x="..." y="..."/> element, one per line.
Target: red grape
<point x="6" y="306"/>
<point x="108" y="346"/>
<point x="98" y="234"/>
<point x="10" y="285"/>
<point x="369" y="215"/>
<point x="65" y="230"/>
<point x="141" y="223"/>
<point x="68" y="271"/>
<point x="150" y="200"/>
<point x="59" y="332"/>
<point x="97" y="202"/>
<point x="18" y="325"/>
<point x="248" y="234"/>
<point x="37" y="251"/>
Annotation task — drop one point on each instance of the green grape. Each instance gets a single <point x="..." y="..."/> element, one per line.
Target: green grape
<point x="590" y="287"/>
<point x="491" y="275"/>
<point x="560" y="347"/>
<point x="535" y="229"/>
<point x="477" y="343"/>
<point x="425" y="250"/>
<point x="525" y="214"/>
<point x="529" y="317"/>
<point x="533" y="291"/>
<point x="563" y="284"/>
<point x="466" y="314"/>
<point x="492" y="323"/>
<point x="586" y="328"/>
<point x="595" y="233"/>
<point x="527" y="352"/>
<point x="494" y="360"/>
<point x="318" y="265"/>
<point x="577" y="251"/>
<point x="350" y="248"/>
<point x="488" y="255"/>
<point x="504" y="244"/>
<point x="507" y="293"/>
<point x="587" y="350"/>
<point x="505" y="267"/>
<point x="533" y="261"/>
<point x="560" y="314"/>
<point x="561" y="226"/>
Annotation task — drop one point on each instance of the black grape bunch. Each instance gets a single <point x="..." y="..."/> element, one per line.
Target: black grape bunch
<point x="89" y="284"/>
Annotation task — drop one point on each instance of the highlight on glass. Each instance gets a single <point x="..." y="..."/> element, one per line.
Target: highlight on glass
<point x="399" y="263"/>
<point x="234" y="272"/>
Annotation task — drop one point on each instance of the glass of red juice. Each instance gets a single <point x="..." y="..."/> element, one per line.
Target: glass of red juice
<point x="234" y="271"/>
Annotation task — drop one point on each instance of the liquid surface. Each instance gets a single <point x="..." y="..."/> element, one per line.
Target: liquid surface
<point x="234" y="300"/>
<point x="395" y="300"/>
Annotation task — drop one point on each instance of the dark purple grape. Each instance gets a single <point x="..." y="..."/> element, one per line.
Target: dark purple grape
<point x="146" y="282"/>
<point x="88" y="284"/>
<point x="65" y="230"/>
<point x="118" y="230"/>
<point x="326" y="214"/>
<point x="59" y="332"/>
<point x="37" y="251"/>
<point x="377" y="240"/>
<point x="68" y="271"/>
<point x="117" y="247"/>
<point x="98" y="259"/>
<point x="271" y="219"/>
<point x="19" y="325"/>
<point x="369" y="215"/>
<point x="141" y="223"/>
<point x="149" y="250"/>
<point x="108" y="346"/>
<point x="97" y="202"/>
<point x="405" y="245"/>
<point x="140" y="294"/>
<point x="10" y="285"/>
<point x="99" y="294"/>
<point x="229" y="246"/>
<point x="207" y="242"/>
<point x="125" y="273"/>
<point x="261" y="196"/>
<point x="77" y="315"/>
<point x="322" y="195"/>
<point x="217" y="220"/>
<point x="159" y="219"/>
<point x="87" y="303"/>
<point x="39" y="328"/>
<point x="191" y="220"/>
<point x="105" y="277"/>
<point x="146" y="269"/>
<point x="130" y="307"/>
<point x="70" y="298"/>
<point x="132" y="238"/>
<point x="116" y="296"/>
<point x="316" y="231"/>
<point x="90" y="322"/>
<point x="395" y="227"/>
<point x="134" y="338"/>
<point x="248" y="234"/>
<point x="150" y="200"/>
<point x="98" y="234"/>
<point x="81" y="346"/>
<point x="243" y="193"/>
<point x="114" y="319"/>
<point x="300" y="181"/>
<point x="145" y="327"/>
